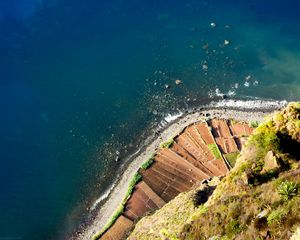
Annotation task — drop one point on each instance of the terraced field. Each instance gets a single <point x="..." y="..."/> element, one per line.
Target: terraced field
<point x="197" y="153"/>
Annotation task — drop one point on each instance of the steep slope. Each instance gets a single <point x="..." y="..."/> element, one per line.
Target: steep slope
<point x="258" y="199"/>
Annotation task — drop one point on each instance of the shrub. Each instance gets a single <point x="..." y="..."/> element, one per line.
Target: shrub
<point x="276" y="216"/>
<point x="233" y="228"/>
<point x="287" y="190"/>
<point x="253" y="124"/>
<point x="214" y="150"/>
<point x="167" y="144"/>
<point x="148" y="163"/>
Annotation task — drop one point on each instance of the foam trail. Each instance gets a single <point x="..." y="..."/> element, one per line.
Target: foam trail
<point x="249" y="104"/>
<point x="169" y="118"/>
<point x="103" y="196"/>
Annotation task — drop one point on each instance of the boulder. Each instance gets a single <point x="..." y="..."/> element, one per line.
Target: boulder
<point x="270" y="162"/>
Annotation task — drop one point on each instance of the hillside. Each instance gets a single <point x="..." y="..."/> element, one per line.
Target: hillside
<point x="258" y="199"/>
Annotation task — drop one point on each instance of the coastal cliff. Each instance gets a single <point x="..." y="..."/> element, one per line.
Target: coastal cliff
<point x="258" y="199"/>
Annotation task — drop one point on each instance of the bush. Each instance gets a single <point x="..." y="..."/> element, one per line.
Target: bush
<point x="287" y="190"/>
<point x="148" y="163"/>
<point x="253" y="124"/>
<point x="233" y="228"/>
<point x="167" y="144"/>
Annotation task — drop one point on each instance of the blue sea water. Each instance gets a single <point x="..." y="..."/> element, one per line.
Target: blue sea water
<point x="81" y="80"/>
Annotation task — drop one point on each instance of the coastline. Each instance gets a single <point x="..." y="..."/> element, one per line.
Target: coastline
<point x="247" y="113"/>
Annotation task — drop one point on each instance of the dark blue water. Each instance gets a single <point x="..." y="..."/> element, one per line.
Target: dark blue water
<point x="80" y="80"/>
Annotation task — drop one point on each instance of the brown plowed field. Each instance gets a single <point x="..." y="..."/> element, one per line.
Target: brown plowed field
<point x="186" y="155"/>
<point x="151" y="194"/>
<point x="119" y="229"/>
<point x="205" y="133"/>
<point x="176" y="167"/>
<point x="220" y="128"/>
<point x="237" y="129"/>
<point x="138" y="204"/>
<point x="189" y="168"/>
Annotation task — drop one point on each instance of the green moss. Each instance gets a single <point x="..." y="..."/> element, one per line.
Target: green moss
<point x="215" y="150"/>
<point x="148" y="163"/>
<point x="167" y="144"/>
<point x="231" y="158"/>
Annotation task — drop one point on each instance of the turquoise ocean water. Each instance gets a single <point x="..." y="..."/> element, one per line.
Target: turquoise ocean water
<point x="83" y="80"/>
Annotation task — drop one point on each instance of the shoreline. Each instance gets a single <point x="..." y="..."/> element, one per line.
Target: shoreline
<point x="111" y="199"/>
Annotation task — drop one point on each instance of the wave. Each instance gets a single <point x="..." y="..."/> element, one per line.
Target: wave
<point x="170" y="118"/>
<point x="248" y="104"/>
<point x="103" y="196"/>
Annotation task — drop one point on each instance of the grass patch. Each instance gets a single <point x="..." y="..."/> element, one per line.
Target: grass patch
<point x="148" y="163"/>
<point x="215" y="150"/>
<point x="231" y="158"/>
<point x="136" y="178"/>
<point x="253" y="124"/>
<point x="167" y="144"/>
<point x="276" y="216"/>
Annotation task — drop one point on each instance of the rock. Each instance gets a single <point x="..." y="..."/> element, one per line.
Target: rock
<point x="270" y="162"/>
<point x="205" y="46"/>
<point x="226" y="42"/>
<point x="263" y="213"/>
<point x="178" y="81"/>
<point x="213" y="25"/>
<point x="205" y="67"/>
<point x="167" y="86"/>
<point x="247" y="177"/>
<point x="248" y="77"/>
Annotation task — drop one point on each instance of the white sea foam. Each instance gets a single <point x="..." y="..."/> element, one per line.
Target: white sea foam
<point x="170" y="118"/>
<point x="246" y="84"/>
<point x="103" y="196"/>
<point x="249" y="104"/>
<point x="218" y="93"/>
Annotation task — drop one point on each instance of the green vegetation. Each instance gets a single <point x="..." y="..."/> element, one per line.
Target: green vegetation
<point x="135" y="179"/>
<point x="287" y="190"/>
<point x="215" y="150"/>
<point x="231" y="158"/>
<point x="276" y="216"/>
<point x="167" y="235"/>
<point x="148" y="163"/>
<point x="253" y="124"/>
<point x="167" y="144"/>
